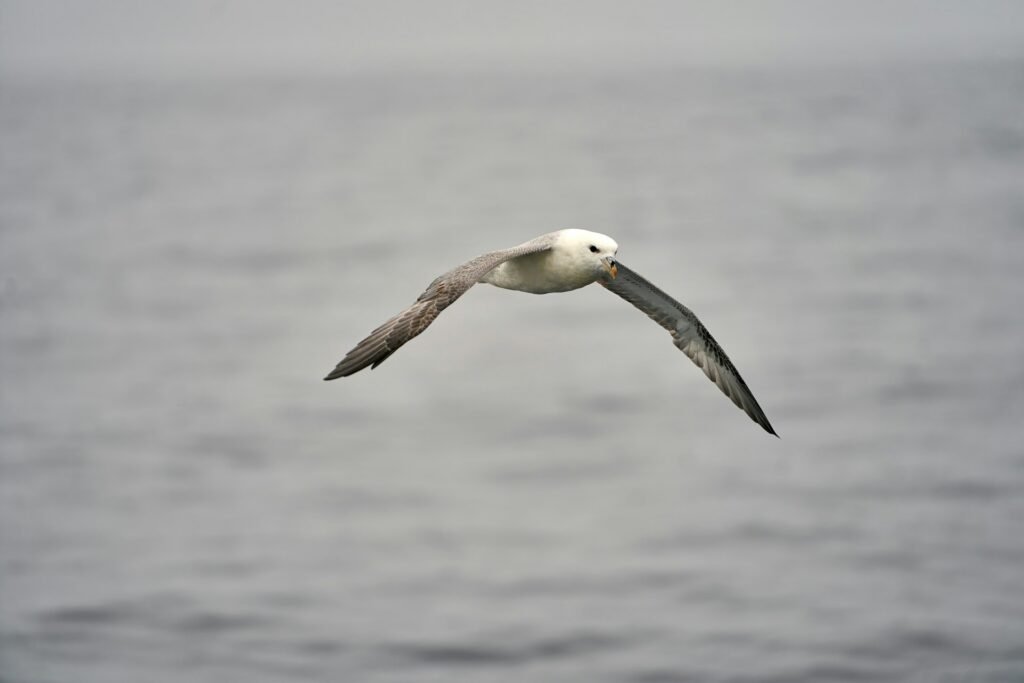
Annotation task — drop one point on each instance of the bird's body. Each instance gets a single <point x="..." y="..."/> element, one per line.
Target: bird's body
<point x="558" y="262"/>
<point x="558" y="269"/>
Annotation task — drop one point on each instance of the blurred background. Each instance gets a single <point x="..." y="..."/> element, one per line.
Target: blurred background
<point x="203" y="205"/>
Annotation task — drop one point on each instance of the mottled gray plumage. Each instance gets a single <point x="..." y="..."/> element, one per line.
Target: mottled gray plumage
<point x="690" y="336"/>
<point x="440" y="294"/>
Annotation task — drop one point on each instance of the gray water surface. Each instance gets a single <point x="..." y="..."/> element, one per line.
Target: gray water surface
<point x="538" y="488"/>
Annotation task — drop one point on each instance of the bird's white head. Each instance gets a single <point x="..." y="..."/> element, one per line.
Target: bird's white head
<point x="590" y="250"/>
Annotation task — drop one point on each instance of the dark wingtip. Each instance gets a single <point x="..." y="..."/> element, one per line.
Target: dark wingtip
<point x="335" y="374"/>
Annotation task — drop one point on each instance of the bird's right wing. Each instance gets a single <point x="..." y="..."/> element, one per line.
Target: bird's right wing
<point x="690" y="336"/>
<point x="440" y="294"/>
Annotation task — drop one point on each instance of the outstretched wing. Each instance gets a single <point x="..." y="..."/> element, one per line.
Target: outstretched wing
<point x="690" y="336"/>
<point x="441" y="293"/>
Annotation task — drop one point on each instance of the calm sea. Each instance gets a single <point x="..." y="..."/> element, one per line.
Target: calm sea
<point x="538" y="488"/>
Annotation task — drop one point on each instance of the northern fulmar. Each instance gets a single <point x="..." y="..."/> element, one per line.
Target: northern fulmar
<point x="559" y="262"/>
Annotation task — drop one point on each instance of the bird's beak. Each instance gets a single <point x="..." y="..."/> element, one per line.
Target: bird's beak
<point x="609" y="263"/>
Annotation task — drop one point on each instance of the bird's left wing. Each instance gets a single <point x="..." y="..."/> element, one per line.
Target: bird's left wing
<point x="440" y="294"/>
<point x="690" y="336"/>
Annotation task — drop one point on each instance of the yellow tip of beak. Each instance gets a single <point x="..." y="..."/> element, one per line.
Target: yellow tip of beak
<point x="614" y="270"/>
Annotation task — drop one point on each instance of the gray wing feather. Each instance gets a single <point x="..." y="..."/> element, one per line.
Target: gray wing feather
<point x="440" y="294"/>
<point x="690" y="336"/>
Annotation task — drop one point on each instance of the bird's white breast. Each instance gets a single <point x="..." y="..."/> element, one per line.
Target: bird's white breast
<point x="542" y="273"/>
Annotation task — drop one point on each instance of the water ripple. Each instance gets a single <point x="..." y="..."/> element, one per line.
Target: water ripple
<point x="510" y="654"/>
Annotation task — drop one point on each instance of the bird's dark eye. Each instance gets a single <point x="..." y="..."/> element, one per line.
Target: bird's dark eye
<point x="593" y="249"/>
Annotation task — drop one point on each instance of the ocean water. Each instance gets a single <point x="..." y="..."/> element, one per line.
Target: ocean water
<point x="537" y="488"/>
